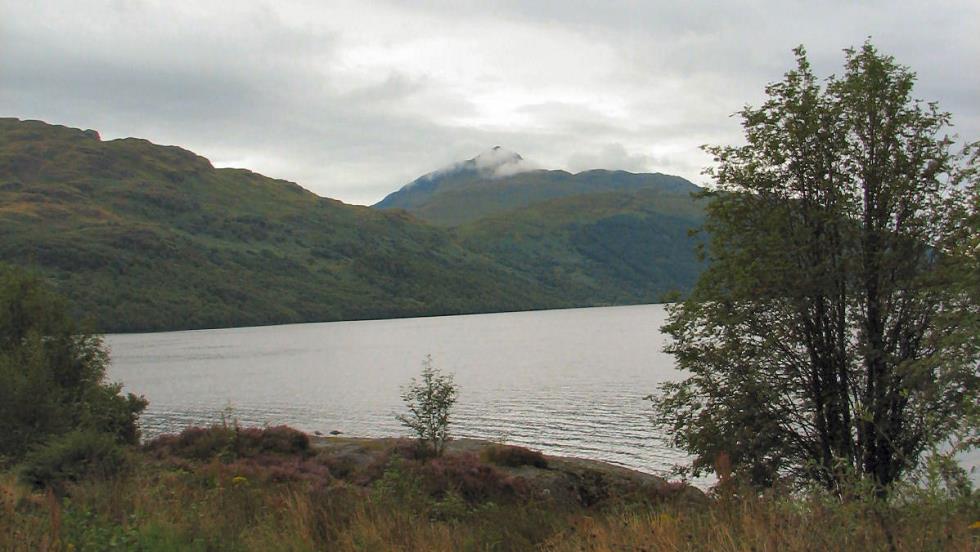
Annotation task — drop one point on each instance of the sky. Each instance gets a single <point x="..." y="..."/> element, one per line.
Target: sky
<point x="352" y="100"/>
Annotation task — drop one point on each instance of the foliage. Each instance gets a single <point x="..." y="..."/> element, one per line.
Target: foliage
<point x="602" y="248"/>
<point x="52" y="373"/>
<point x="229" y="441"/>
<point x="276" y="439"/>
<point x="472" y="479"/>
<point x="830" y="336"/>
<point x="73" y="457"/>
<point x="196" y="443"/>
<point x="85" y="530"/>
<point x="429" y="401"/>
<point x="511" y="456"/>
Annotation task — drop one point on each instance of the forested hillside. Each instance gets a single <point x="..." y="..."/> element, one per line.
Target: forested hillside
<point x="608" y="248"/>
<point x="148" y="237"/>
<point x="145" y="237"/>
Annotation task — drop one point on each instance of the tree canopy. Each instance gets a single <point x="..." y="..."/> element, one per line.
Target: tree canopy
<point x="52" y="373"/>
<point x="834" y="333"/>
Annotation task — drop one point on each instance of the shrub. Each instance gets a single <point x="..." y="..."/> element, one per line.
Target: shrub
<point x="373" y="470"/>
<point x="84" y="529"/>
<point x="73" y="457"/>
<point x="472" y="479"/>
<point x="195" y="443"/>
<point x="279" y="439"/>
<point x="401" y="484"/>
<point x="52" y="372"/>
<point x="513" y="457"/>
<point x="230" y="442"/>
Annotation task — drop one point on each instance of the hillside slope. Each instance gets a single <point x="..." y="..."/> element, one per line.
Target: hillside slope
<point x="607" y="248"/>
<point x="147" y="237"/>
<point x="143" y="237"/>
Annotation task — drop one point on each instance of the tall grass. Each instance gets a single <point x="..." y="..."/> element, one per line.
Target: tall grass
<point x="285" y="496"/>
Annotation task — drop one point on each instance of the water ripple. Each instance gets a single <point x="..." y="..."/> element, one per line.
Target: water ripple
<point x="565" y="382"/>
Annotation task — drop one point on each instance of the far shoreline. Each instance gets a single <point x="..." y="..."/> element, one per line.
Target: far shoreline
<point x="404" y="318"/>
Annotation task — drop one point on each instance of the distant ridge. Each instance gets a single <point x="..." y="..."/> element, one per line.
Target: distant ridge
<point x="499" y="180"/>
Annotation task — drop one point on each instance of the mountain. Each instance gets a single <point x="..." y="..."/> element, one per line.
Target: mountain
<point x="495" y="162"/>
<point x="498" y="181"/>
<point x="144" y="237"/>
<point x="597" y="237"/>
<point x="147" y="237"/>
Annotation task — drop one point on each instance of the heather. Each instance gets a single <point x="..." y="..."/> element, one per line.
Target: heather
<point x="230" y="488"/>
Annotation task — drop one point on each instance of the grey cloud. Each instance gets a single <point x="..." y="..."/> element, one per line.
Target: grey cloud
<point x="269" y="86"/>
<point x="610" y="156"/>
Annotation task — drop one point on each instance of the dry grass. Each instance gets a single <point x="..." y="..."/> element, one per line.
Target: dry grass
<point x="770" y="524"/>
<point x="267" y="500"/>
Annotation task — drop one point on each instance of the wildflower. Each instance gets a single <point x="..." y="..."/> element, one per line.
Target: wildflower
<point x="239" y="480"/>
<point x="976" y="525"/>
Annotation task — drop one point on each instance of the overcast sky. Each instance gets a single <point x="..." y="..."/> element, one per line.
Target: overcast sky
<point x="354" y="99"/>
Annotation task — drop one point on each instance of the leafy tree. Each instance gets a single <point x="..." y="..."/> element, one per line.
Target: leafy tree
<point x="52" y="373"/>
<point x="834" y="333"/>
<point x="429" y="401"/>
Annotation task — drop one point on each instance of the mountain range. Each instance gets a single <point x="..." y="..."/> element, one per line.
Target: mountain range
<point x="144" y="237"/>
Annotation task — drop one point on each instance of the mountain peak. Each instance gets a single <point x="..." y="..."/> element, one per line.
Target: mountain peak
<point x="496" y="162"/>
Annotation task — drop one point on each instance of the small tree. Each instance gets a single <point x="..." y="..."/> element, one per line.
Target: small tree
<point x="429" y="401"/>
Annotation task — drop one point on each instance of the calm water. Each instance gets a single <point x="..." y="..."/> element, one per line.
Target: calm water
<point x="566" y="382"/>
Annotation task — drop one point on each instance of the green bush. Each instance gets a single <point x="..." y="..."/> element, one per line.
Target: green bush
<point x="279" y="440"/>
<point x="471" y="479"/>
<point x="196" y="443"/>
<point x="510" y="456"/>
<point x="73" y="457"/>
<point x="52" y="372"/>
<point x="83" y="529"/>
<point x="230" y="441"/>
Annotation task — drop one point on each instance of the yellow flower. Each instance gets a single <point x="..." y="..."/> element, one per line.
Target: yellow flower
<point x="976" y="525"/>
<point x="239" y="480"/>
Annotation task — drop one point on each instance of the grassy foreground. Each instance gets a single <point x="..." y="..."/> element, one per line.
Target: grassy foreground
<point x="226" y="488"/>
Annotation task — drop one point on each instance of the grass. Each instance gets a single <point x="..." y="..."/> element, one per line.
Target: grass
<point x="266" y="490"/>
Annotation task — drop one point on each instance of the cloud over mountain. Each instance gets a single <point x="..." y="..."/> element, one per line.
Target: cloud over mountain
<point x="352" y="98"/>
